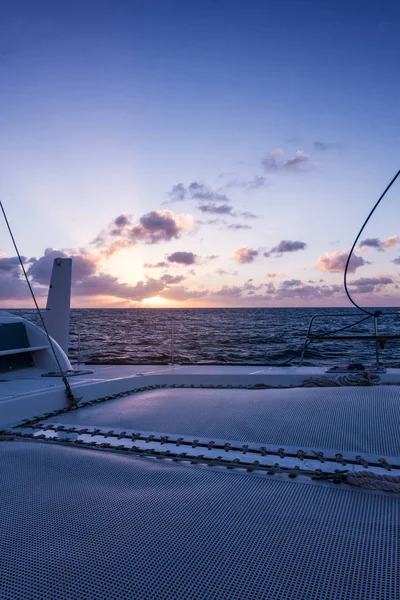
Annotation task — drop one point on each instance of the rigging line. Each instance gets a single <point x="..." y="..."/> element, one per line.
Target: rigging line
<point x="367" y="312"/>
<point x="326" y="333"/>
<point x="71" y="398"/>
<point x="376" y="313"/>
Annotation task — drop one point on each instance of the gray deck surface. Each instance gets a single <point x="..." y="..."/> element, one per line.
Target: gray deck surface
<point x="358" y="419"/>
<point x="79" y="523"/>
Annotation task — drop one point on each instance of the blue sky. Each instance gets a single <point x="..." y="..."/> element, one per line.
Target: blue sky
<point x="287" y="110"/>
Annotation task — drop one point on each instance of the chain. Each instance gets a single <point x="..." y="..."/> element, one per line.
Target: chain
<point x="338" y="476"/>
<point x="227" y="447"/>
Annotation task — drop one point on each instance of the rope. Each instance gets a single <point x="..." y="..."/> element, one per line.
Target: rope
<point x="372" y="481"/>
<point x="322" y="381"/>
<point x="361" y="379"/>
<point x="376" y="313"/>
<point x="70" y="396"/>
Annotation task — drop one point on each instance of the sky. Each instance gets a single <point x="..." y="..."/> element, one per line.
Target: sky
<point x="202" y="153"/>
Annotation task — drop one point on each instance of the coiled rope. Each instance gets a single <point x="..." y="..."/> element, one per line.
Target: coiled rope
<point x="362" y="379"/>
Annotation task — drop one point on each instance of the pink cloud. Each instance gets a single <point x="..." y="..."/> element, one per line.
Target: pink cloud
<point x="391" y="242"/>
<point x="245" y="255"/>
<point x="335" y="262"/>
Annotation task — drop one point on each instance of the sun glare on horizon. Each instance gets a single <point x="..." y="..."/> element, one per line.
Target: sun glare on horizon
<point x="157" y="302"/>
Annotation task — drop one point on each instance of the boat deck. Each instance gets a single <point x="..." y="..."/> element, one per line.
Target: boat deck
<point x="116" y="498"/>
<point x="28" y="382"/>
<point x="78" y="523"/>
<point x="355" y="419"/>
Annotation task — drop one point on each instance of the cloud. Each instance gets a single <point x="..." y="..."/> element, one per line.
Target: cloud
<point x="226" y="290"/>
<point x="289" y="283"/>
<point x="12" y="283"/>
<point x="270" y="163"/>
<point x="180" y="293"/>
<point x="336" y="262"/>
<point x="276" y="275"/>
<point x="225" y="209"/>
<point x="256" y="183"/>
<point x="199" y="191"/>
<point x="11" y="265"/>
<point x="159" y="265"/>
<point x="168" y="279"/>
<point x="237" y="226"/>
<point x="152" y="228"/>
<point x="87" y="278"/>
<point x="14" y="288"/>
<point x="83" y="265"/>
<point x="195" y="191"/>
<point x="300" y="158"/>
<point x="371" y="243"/>
<point x="288" y="246"/>
<point x="270" y="288"/>
<point x="183" y="258"/>
<point x="211" y="257"/>
<point x="250" y="287"/>
<point x="245" y="255"/>
<point x="247" y="215"/>
<point x="178" y="193"/>
<point x="323" y="146"/>
<point x="211" y="207"/>
<point x="308" y="291"/>
<point x="210" y="222"/>
<point x="390" y="242"/>
<point x="297" y="290"/>
<point x="222" y="272"/>
<point x="396" y="261"/>
<point x="293" y="288"/>
<point x="104" y="284"/>
<point x="366" y="285"/>
<point x="275" y="162"/>
<point x="122" y="221"/>
<point x="159" y="226"/>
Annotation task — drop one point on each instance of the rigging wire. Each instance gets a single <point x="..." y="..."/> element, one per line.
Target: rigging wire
<point x="376" y="313"/>
<point x="367" y="312"/>
<point x="71" y="398"/>
<point x="325" y="333"/>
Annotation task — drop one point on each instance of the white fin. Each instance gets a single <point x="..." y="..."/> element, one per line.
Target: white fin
<point x="56" y="316"/>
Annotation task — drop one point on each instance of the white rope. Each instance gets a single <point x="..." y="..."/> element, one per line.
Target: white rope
<point x="364" y="379"/>
<point x="372" y="481"/>
<point x="322" y="381"/>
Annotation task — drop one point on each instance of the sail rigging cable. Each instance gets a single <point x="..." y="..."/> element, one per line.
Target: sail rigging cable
<point x="367" y="312"/>
<point x="377" y="313"/>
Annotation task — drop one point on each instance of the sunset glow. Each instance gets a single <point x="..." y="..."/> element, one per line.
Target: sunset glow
<point x="199" y="155"/>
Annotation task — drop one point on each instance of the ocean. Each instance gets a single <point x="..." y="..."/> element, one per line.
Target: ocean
<point x="253" y="336"/>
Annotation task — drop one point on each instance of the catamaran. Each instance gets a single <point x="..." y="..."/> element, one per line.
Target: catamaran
<point x="192" y="482"/>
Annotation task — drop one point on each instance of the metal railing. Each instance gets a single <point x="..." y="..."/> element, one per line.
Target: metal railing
<point x="379" y="339"/>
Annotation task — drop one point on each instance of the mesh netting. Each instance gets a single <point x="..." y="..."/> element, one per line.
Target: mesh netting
<point x="353" y="419"/>
<point x="77" y="523"/>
